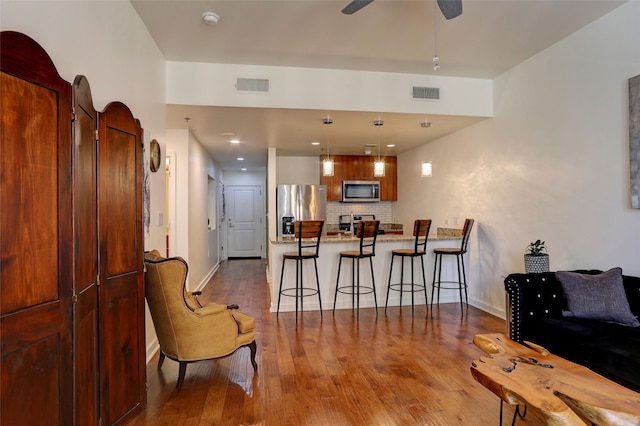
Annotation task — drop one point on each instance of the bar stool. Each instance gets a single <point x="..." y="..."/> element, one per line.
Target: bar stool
<point x="367" y="233"/>
<point x="308" y="234"/>
<point x="421" y="232"/>
<point x="459" y="254"/>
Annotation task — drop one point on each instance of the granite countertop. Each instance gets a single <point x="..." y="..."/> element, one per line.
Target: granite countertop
<point x="442" y="234"/>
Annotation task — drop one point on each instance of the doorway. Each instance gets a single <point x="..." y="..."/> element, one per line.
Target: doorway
<point x="245" y="223"/>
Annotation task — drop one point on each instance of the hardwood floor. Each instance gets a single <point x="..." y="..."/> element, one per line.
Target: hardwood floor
<point x="382" y="370"/>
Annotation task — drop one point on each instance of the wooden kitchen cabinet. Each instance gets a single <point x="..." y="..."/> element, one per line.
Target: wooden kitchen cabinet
<point x="360" y="167"/>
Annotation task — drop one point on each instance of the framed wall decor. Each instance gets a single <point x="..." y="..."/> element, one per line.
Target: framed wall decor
<point x="154" y="156"/>
<point x="634" y="139"/>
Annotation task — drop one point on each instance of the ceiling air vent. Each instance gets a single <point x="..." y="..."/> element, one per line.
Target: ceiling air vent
<point x="260" y="85"/>
<point x="425" y="93"/>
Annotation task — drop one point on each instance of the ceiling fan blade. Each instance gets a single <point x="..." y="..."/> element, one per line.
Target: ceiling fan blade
<point x="355" y="6"/>
<point x="450" y="8"/>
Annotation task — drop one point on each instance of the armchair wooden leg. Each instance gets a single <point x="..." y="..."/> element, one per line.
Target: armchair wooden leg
<point x="253" y="347"/>
<point x="160" y="360"/>
<point x="181" y="373"/>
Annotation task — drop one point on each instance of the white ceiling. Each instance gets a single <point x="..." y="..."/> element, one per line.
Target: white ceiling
<point x="387" y="35"/>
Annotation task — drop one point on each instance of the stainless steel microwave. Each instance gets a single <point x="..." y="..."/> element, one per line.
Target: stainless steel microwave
<point x="360" y="191"/>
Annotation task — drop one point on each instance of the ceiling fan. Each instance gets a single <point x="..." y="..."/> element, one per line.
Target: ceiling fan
<point x="449" y="8"/>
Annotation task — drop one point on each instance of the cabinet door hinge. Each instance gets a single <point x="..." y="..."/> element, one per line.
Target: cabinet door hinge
<point x="98" y="280"/>
<point x="97" y="136"/>
<point x="74" y="297"/>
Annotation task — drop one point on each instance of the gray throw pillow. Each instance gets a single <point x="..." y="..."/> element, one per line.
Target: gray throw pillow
<point x="600" y="297"/>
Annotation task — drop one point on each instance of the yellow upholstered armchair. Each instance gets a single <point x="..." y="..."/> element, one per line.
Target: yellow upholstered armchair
<point x="188" y="331"/>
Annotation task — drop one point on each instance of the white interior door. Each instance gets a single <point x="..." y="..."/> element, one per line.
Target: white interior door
<point x="245" y="221"/>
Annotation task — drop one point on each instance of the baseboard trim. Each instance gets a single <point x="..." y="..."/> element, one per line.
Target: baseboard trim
<point x="208" y="277"/>
<point x="152" y="348"/>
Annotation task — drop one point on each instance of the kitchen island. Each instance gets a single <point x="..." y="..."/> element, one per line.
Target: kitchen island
<point x="331" y="246"/>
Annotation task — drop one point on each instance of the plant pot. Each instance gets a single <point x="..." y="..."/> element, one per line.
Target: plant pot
<point x="538" y="263"/>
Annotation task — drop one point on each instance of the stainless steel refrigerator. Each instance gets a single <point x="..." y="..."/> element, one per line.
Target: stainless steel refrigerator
<point x="300" y="202"/>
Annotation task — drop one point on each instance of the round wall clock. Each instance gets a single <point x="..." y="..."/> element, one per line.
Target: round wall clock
<point x="155" y="156"/>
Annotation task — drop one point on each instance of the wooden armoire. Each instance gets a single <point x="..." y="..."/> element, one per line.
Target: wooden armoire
<point x="71" y="279"/>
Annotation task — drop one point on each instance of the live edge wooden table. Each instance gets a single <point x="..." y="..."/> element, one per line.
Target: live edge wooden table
<point x="561" y="392"/>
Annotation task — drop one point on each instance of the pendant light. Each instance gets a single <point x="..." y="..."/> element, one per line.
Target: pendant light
<point x="327" y="162"/>
<point x="378" y="166"/>
<point x="436" y="59"/>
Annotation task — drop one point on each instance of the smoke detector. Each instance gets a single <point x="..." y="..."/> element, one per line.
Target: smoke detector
<point x="210" y="18"/>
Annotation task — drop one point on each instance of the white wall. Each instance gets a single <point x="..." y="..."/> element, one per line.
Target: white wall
<point x="194" y="241"/>
<point x="552" y="164"/>
<point x="298" y="170"/>
<point x="121" y="63"/>
<point x="190" y="83"/>
<point x="178" y="142"/>
<point x="203" y="243"/>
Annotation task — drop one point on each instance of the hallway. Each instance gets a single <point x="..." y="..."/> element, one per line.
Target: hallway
<point x="383" y="370"/>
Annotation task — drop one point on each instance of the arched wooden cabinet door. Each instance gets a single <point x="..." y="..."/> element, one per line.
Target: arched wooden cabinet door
<point x="85" y="228"/>
<point x="122" y="343"/>
<point x="36" y="376"/>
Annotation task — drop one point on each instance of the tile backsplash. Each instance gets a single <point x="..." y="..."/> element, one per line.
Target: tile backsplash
<point x="383" y="210"/>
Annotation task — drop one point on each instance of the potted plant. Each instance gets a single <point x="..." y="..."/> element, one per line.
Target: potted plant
<point x="535" y="258"/>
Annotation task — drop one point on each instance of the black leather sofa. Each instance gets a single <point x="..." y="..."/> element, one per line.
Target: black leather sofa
<point x="534" y="313"/>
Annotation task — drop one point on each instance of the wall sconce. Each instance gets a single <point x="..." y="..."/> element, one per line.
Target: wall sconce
<point x="426" y="169"/>
<point x="327" y="167"/>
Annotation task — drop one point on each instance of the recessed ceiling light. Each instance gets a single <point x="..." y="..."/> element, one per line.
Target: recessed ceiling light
<point x="234" y="141"/>
<point x="210" y="18"/>
<point x="315" y="143"/>
<point x="391" y="145"/>
<point x="240" y="158"/>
